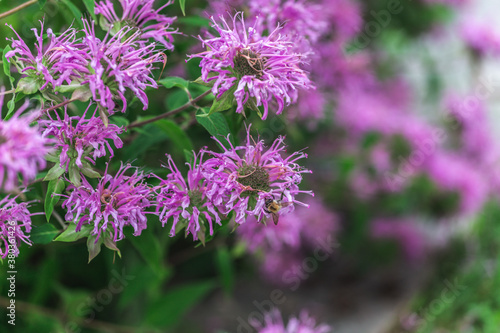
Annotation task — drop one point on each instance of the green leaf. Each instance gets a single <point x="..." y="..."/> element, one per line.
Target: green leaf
<point x="188" y="155"/>
<point x="170" y="307"/>
<point x="6" y="70"/>
<point x="216" y="125"/>
<point x="43" y="234"/>
<point x="195" y="21"/>
<point x="119" y="121"/>
<point x="225" y="268"/>
<point x="110" y="244"/>
<point x="82" y="94"/>
<point x="89" y="172"/>
<point x="27" y="85"/>
<point x="74" y="175"/>
<point x="90" y="5"/>
<point x="174" y="81"/>
<point x="94" y="246"/>
<point x="203" y="83"/>
<point x="41" y="3"/>
<point x="55" y="172"/>
<point x="75" y="11"/>
<point x="55" y="187"/>
<point x="182" y="3"/>
<point x="71" y="235"/>
<point x="225" y="102"/>
<point x="176" y="134"/>
<point x="149" y="248"/>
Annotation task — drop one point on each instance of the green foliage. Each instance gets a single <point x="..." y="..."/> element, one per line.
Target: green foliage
<point x="43" y="234"/>
<point x="54" y="189"/>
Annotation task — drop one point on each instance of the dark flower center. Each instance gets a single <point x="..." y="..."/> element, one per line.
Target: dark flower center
<point x="254" y="177"/>
<point x="247" y="62"/>
<point x="196" y="198"/>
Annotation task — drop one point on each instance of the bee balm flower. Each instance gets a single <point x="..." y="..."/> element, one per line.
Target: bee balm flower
<point x="253" y="67"/>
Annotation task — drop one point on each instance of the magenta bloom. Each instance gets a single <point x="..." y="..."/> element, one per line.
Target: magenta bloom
<point x="242" y="62"/>
<point x="186" y="202"/>
<point x="242" y="178"/>
<point x="303" y="324"/>
<point x="116" y="202"/>
<point x="79" y="137"/>
<point x="141" y="16"/>
<point x="22" y="150"/>
<point x="15" y="225"/>
<point x="56" y="62"/>
<point x="117" y="64"/>
<point x="481" y="38"/>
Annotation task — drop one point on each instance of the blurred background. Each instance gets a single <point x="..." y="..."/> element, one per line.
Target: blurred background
<point x="403" y="232"/>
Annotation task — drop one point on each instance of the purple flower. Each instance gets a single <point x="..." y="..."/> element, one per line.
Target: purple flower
<point x="22" y="149"/>
<point x="481" y="38"/>
<point x="116" y="202"/>
<point x="15" y="225"/>
<point x="141" y="16"/>
<point x="79" y="137"/>
<point x="186" y="202"/>
<point x="118" y="63"/>
<point x="246" y="178"/>
<point x="273" y="323"/>
<point x="253" y="67"/>
<point x="56" y="62"/>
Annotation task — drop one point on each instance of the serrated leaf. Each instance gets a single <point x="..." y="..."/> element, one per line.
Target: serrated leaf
<point x="94" y="246"/>
<point x="182" y="3"/>
<point x="55" y="187"/>
<point x="215" y="124"/>
<point x="55" y="172"/>
<point x="27" y="85"/>
<point x="89" y="172"/>
<point x="43" y="234"/>
<point x="90" y="5"/>
<point x="71" y="235"/>
<point x="174" y="81"/>
<point x="170" y="308"/>
<point x="175" y="133"/>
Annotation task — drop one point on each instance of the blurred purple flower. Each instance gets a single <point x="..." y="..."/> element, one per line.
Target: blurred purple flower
<point x="242" y="178"/>
<point x="15" y="225"/>
<point x="405" y="232"/>
<point x="56" y="62"/>
<point x="117" y="63"/>
<point x="186" y="202"/>
<point x="22" y="149"/>
<point x="79" y="137"/>
<point x="481" y="38"/>
<point x="116" y="202"/>
<point x="141" y="16"/>
<point x="243" y="62"/>
<point x="273" y="323"/>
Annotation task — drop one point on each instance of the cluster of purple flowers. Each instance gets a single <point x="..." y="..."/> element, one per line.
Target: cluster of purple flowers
<point x="15" y="225"/>
<point x="241" y="179"/>
<point x="273" y="323"/>
<point x="241" y="61"/>
<point x="122" y="61"/>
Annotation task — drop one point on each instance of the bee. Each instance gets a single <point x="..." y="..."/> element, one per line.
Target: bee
<point x="274" y="206"/>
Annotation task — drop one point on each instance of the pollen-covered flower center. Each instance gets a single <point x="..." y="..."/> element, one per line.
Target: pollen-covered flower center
<point x="247" y="62"/>
<point x="255" y="178"/>
<point x="106" y="196"/>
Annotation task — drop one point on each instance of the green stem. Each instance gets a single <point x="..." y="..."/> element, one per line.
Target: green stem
<point x="18" y="8"/>
<point x="7" y="92"/>
<point x="170" y="113"/>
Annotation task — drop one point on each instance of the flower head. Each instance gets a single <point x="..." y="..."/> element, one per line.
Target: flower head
<point x="253" y="67"/>
<point x="186" y="201"/>
<point x="481" y="38"/>
<point x="22" y="149"/>
<point x="15" y="225"/>
<point x="56" y="62"/>
<point x="116" y="202"/>
<point x="118" y="63"/>
<point x="273" y="323"/>
<point x="141" y="16"/>
<point x="247" y="178"/>
<point x="79" y="137"/>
